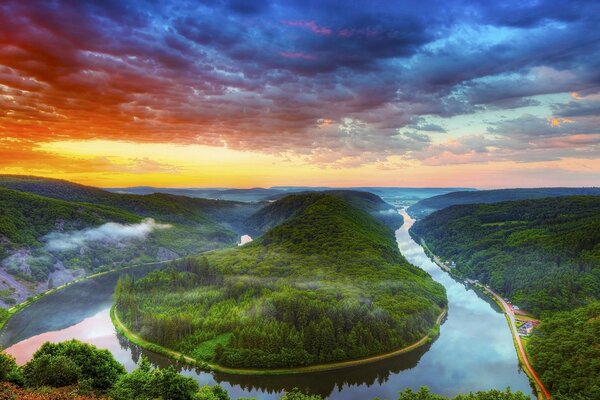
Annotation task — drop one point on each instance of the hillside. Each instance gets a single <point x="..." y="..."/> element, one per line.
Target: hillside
<point x="544" y="254"/>
<point x="53" y="231"/>
<point x="25" y="217"/>
<point x="46" y="242"/>
<point x="292" y="204"/>
<point x="163" y="206"/>
<point x="427" y="206"/>
<point x="327" y="283"/>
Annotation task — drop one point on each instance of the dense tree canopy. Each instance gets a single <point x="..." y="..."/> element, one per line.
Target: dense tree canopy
<point x="326" y="284"/>
<point x="66" y="363"/>
<point x="544" y="254"/>
<point x="566" y="353"/>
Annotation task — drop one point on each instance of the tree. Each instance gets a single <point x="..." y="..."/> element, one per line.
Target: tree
<point x="296" y="394"/>
<point x="170" y="385"/>
<point x="136" y="385"/>
<point x="422" y="394"/>
<point x="9" y="371"/>
<point x="96" y="365"/>
<point x="50" y="370"/>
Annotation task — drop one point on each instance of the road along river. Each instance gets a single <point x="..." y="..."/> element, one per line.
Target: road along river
<point x="474" y="350"/>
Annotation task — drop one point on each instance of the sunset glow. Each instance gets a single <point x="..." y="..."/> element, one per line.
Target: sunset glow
<point x="246" y="94"/>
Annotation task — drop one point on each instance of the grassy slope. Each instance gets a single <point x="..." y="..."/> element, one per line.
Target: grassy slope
<point x="432" y="204"/>
<point x="328" y="263"/>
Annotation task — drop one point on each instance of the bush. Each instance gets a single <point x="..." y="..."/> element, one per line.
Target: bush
<point x="97" y="366"/>
<point x="49" y="370"/>
<point x="9" y="372"/>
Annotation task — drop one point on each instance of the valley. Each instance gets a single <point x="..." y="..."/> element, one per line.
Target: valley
<point x="473" y="326"/>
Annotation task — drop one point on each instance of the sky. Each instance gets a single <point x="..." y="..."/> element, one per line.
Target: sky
<point x="235" y="93"/>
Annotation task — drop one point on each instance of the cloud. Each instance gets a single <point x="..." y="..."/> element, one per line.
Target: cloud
<point x="261" y="75"/>
<point x="108" y="233"/>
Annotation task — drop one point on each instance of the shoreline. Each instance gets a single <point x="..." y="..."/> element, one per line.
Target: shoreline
<point x="136" y="339"/>
<point x="541" y="391"/>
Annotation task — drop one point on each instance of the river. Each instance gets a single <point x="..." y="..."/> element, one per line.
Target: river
<point x="474" y="350"/>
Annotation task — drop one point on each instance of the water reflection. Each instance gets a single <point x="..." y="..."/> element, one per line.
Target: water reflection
<point x="473" y="352"/>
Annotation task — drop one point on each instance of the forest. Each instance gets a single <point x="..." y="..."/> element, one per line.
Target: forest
<point x="34" y="209"/>
<point x="328" y="283"/>
<point x="566" y="353"/>
<point x="73" y="370"/>
<point x="545" y="255"/>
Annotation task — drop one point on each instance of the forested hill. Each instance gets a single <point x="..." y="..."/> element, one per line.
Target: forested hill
<point x="326" y="284"/>
<point x="25" y="217"/>
<point x="53" y="231"/>
<point x="544" y="254"/>
<point x="166" y="207"/>
<point x="292" y="204"/>
<point x="432" y="204"/>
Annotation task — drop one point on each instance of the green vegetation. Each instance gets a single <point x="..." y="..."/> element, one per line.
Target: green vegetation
<point x="546" y="257"/>
<point x="32" y="208"/>
<point x="160" y="206"/>
<point x="566" y="353"/>
<point x="326" y="284"/>
<point x="290" y="205"/>
<point x="431" y="204"/>
<point x="25" y="217"/>
<point x="76" y="371"/>
<point x="425" y="394"/>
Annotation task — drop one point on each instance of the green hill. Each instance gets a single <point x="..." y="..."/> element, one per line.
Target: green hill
<point x="25" y="217"/>
<point x="35" y="210"/>
<point x="292" y="204"/>
<point x="45" y="241"/>
<point x="427" y="206"/>
<point x="161" y="206"/>
<point x="544" y="254"/>
<point x="327" y="283"/>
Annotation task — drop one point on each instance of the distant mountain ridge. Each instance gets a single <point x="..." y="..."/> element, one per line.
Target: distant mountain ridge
<point x="429" y="205"/>
<point x="389" y="194"/>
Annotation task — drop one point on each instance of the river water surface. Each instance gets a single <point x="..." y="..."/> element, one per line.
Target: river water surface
<point x="474" y="350"/>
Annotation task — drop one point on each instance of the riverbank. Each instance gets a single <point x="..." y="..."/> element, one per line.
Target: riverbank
<point x="542" y="392"/>
<point x="134" y="338"/>
<point x="16" y="308"/>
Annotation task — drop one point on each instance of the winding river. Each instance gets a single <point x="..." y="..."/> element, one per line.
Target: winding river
<point x="474" y="350"/>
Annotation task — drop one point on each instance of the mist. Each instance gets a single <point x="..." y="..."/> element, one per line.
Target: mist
<point x="109" y="232"/>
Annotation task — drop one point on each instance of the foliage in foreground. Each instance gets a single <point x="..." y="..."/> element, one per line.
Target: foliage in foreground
<point x="425" y="394"/>
<point x="326" y="284"/>
<point x="76" y="371"/>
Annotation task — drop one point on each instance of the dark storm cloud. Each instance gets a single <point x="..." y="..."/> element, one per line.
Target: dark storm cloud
<point x="264" y="75"/>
